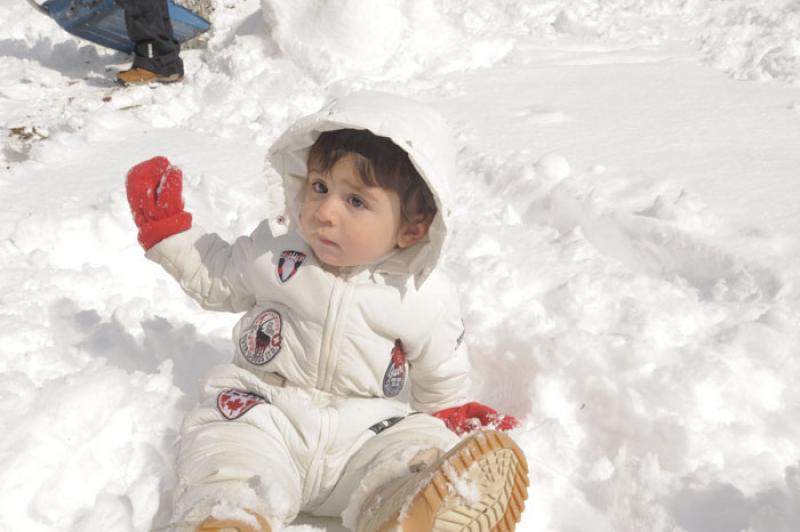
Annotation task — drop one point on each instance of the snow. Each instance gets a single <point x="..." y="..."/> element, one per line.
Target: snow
<point x="464" y="485"/>
<point x="625" y="243"/>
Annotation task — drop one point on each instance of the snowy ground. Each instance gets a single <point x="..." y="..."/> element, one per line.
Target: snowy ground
<point x="626" y="244"/>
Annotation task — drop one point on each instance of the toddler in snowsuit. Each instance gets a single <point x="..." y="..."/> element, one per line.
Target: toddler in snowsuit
<point x="343" y="305"/>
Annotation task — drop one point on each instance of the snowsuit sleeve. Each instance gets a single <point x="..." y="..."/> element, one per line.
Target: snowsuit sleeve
<point x="209" y="269"/>
<point x="440" y="373"/>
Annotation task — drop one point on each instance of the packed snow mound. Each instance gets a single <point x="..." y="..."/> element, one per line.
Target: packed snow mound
<point x="90" y="425"/>
<point x="330" y="38"/>
<point x="756" y="42"/>
<point x="407" y="37"/>
<point x="395" y="39"/>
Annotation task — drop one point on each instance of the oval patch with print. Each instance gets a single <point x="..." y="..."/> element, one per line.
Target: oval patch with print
<point x="288" y="264"/>
<point x="260" y="342"/>
<point x="233" y="404"/>
<point x="395" y="377"/>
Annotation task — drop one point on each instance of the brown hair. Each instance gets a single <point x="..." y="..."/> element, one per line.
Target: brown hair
<point x="379" y="162"/>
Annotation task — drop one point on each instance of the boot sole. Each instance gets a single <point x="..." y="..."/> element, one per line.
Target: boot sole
<point x="489" y="461"/>
<point x="174" y="78"/>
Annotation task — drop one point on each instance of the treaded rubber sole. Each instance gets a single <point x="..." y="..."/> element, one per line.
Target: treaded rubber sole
<point x="489" y="461"/>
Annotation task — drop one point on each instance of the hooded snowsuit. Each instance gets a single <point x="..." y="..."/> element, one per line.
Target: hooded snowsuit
<point x="307" y="417"/>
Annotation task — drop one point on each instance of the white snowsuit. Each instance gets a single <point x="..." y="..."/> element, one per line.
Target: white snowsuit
<point x="307" y="416"/>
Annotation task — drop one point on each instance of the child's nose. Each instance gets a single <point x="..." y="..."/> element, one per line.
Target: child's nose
<point x="327" y="213"/>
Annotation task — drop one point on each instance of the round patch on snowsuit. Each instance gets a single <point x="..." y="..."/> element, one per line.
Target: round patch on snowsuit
<point x="233" y="404"/>
<point x="395" y="377"/>
<point x="262" y="340"/>
<point x="288" y="264"/>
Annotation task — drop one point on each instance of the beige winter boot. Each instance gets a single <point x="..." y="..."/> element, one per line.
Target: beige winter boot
<point x="234" y="525"/>
<point x="142" y="76"/>
<point x="478" y="486"/>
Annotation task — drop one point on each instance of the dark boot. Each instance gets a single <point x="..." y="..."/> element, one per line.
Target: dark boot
<point x="156" y="54"/>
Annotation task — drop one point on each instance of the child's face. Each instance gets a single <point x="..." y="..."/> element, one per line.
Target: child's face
<point x="347" y="223"/>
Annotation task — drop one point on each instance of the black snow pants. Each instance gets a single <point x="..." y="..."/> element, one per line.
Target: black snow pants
<point x="149" y="27"/>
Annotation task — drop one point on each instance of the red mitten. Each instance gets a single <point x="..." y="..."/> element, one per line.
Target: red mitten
<point x="473" y="416"/>
<point x="154" y="194"/>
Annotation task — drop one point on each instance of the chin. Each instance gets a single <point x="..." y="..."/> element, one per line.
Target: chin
<point x="328" y="260"/>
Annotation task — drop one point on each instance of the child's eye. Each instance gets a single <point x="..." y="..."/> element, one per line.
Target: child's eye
<point x="319" y="187"/>
<point x="357" y="202"/>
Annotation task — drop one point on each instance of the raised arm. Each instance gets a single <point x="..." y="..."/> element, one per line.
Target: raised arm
<point x="209" y="269"/>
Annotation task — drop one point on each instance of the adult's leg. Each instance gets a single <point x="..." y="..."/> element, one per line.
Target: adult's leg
<point x="149" y="27"/>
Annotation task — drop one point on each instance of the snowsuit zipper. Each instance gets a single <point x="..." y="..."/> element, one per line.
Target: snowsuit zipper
<point x="338" y="305"/>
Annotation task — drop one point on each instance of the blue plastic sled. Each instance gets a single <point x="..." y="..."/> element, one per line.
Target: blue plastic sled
<point x="103" y="21"/>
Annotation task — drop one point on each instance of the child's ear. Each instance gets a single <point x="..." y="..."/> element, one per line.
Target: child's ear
<point x="413" y="231"/>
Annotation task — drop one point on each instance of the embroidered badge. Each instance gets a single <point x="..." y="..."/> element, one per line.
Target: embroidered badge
<point x="262" y="340"/>
<point x="395" y="376"/>
<point x="288" y="264"/>
<point x="233" y="404"/>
